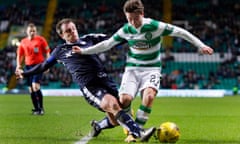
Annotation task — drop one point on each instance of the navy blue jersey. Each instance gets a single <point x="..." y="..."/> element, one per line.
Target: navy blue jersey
<point x="83" y="68"/>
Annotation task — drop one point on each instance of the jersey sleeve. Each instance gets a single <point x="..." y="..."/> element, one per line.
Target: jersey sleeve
<point x="45" y="45"/>
<point x="119" y="36"/>
<point x="20" y="50"/>
<point x="172" y="30"/>
<point x="95" y="38"/>
<point x="102" y="46"/>
<point x="39" y="68"/>
<point x="165" y="29"/>
<point x="55" y="52"/>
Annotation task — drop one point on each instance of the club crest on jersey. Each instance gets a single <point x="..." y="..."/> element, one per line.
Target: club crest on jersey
<point x="148" y="35"/>
<point x="68" y="54"/>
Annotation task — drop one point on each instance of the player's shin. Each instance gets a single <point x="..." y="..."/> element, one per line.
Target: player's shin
<point x="105" y="123"/>
<point x="127" y="122"/>
<point x="34" y="101"/>
<point x="142" y="115"/>
<point x="40" y="98"/>
<point x="129" y="111"/>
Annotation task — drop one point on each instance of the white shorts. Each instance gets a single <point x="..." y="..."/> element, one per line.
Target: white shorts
<point x="134" y="81"/>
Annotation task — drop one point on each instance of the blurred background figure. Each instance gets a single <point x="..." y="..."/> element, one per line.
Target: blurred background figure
<point x="31" y="51"/>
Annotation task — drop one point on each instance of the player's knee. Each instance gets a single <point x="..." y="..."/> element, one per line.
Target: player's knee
<point x="110" y="103"/>
<point x="125" y="99"/>
<point x="36" y="86"/>
<point x="115" y="106"/>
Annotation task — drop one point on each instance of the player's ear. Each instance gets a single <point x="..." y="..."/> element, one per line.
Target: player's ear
<point x="61" y="36"/>
<point x="26" y="31"/>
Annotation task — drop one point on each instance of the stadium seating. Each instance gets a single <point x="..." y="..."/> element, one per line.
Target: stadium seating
<point x="212" y="22"/>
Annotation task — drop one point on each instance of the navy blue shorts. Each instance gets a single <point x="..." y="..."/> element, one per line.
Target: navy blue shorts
<point x="33" y="78"/>
<point x="95" y="90"/>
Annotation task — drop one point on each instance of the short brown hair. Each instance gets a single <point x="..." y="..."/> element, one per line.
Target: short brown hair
<point x="31" y="25"/>
<point x="63" y="21"/>
<point x="133" y="6"/>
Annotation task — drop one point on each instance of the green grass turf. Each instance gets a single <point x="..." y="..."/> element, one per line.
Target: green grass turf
<point x="201" y="120"/>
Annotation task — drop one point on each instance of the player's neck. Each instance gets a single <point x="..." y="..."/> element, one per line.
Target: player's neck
<point x="71" y="42"/>
<point x="30" y="37"/>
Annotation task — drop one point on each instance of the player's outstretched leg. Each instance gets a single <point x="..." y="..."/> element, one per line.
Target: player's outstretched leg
<point x="98" y="126"/>
<point x="129" y="111"/>
<point x="126" y="121"/>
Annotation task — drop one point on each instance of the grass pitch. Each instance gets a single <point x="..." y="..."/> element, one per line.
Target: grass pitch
<point x="201" y="120"/>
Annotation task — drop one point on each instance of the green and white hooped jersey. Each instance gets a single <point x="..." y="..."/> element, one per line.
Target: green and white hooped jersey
<point x="144" y="43"/>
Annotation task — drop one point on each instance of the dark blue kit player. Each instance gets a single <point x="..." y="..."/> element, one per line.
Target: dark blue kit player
<point x="89" y="73"/>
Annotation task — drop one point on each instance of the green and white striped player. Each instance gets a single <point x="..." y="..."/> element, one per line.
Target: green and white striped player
<point x="143" y="64"/>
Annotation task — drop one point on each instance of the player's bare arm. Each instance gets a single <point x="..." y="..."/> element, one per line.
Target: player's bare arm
<point x="19" y="62"/>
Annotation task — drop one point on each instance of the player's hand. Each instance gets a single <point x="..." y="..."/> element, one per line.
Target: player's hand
<point x="206" y="50"/>
<point x="18" y="68"/>
<point x="18" y="74"/>
<point x="76" y="49"/>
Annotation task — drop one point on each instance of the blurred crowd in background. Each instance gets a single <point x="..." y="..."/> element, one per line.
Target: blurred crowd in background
<point x="215" y="22"/>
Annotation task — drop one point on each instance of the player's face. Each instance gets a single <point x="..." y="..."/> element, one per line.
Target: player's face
<point x="69" y="32"/>
<point x="135" y="19"/>
<point x="31" y="31"/>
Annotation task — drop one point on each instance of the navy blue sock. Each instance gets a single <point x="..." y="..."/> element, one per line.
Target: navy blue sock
<point x="126" y="121"/>
<point x="40" y="98"/>
<point x="34" y="100"/>
<point x="105" y="123"/>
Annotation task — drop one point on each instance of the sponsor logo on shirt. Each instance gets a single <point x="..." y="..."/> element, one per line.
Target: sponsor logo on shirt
<point x="141" y="45"/>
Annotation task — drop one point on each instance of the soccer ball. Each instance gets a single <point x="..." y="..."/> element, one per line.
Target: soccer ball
<point x="168" y="132"/>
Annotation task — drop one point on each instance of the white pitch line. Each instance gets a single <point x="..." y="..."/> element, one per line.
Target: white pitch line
<point x="84" y="140"/>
